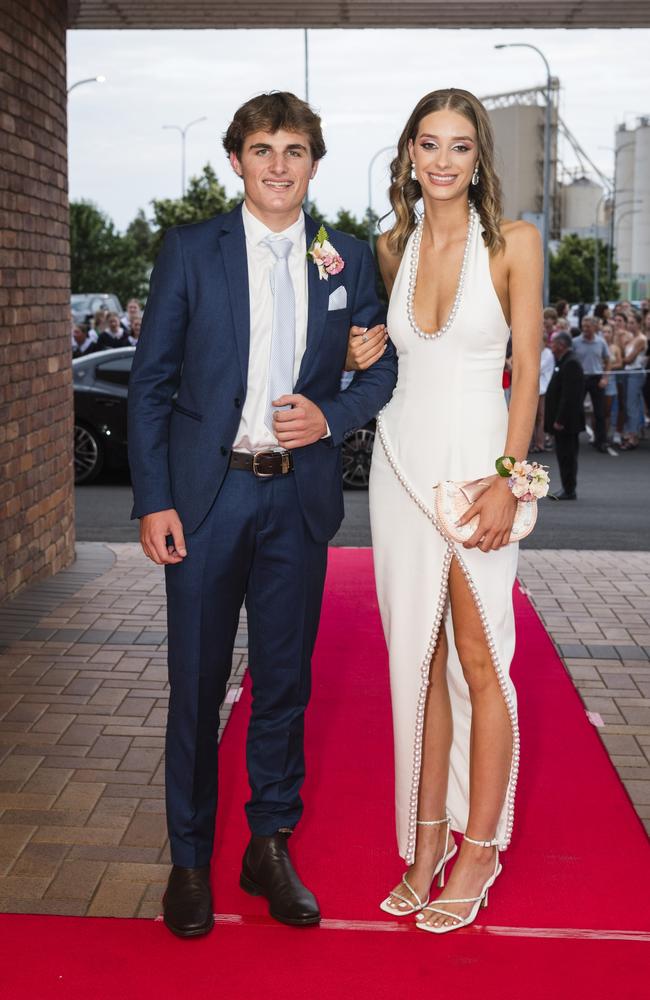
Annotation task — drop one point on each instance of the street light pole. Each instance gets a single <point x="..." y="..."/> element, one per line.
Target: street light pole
<point x="306" y="202"/>
<point x="596" y="292"/>
<point x="90" y="79"/>
<point x="546" y="183"/>
<point x="384" y="149"/>
<point x="183" y="131"/>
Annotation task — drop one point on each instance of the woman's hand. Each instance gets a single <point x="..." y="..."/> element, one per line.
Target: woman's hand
<point x="496" y="509"/>
<point x="365" y="347"/>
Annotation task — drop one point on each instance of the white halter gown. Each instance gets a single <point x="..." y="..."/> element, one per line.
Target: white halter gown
<point x="446" y="420"/>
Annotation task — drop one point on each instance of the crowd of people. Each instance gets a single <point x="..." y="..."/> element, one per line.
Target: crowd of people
<point x="605" y="361"/>
<point x="611" y="348"/>
<point x="106" y="330"/>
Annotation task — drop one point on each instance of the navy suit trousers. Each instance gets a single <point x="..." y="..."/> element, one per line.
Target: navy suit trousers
<point x="253" y="545"/>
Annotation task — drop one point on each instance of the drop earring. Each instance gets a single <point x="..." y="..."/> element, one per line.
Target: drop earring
<point x="475" y="176"/>
<point x="414" y="176"/>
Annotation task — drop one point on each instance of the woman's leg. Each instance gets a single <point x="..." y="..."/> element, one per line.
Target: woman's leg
<point x="622" y="393"/>
<point x="609" y="400"/>
<point x="490" y="751"/>
<point x="436" y="747"/>
<point x="634" y="406"/>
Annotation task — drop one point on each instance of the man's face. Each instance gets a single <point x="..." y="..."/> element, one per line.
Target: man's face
<point x="79" y="335"/>
<point x="276" y="168"/>
<point x="558" y="348"/>
<point x="587" y="327"/>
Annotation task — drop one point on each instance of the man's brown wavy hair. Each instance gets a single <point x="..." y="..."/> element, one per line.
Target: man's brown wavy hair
<point x="270" y="113"/>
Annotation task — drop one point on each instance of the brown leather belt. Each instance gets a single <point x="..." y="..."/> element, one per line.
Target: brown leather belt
<point x="263" y="464"/>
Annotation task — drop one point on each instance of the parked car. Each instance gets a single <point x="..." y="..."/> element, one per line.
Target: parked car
<point x="101" y="384"/>
<point x="85" y="305"/>
<point x="356" y="455"/>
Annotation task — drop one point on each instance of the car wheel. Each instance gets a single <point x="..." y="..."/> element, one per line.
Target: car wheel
<point x="88" y="454"/>
<point x="356" y="455"/>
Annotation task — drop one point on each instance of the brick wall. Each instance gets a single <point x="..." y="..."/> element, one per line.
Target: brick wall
<point x="36" y="484"/>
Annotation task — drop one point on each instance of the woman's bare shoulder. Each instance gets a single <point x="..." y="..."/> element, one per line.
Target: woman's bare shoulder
<point x="520" y="236"/>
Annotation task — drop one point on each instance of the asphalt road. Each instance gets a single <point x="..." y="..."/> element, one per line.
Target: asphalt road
<point x="612" y="510"/>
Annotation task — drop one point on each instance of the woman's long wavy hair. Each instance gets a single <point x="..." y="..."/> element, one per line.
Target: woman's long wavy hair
<point x="405" y="192"/>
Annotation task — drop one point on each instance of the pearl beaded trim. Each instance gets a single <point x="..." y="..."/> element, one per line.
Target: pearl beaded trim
<point x="425" y="667"/>
<point x="413" y="273"/>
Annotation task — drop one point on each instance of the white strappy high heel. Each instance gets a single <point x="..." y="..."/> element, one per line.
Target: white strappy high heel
<point x="406" y="906"/>
<point x="478" y="901"/>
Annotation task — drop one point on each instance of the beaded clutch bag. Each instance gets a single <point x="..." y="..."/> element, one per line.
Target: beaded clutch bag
<point x="451" y="500"/>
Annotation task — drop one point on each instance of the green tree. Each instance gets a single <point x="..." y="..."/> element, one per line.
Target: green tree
<point x="346" y="222"/>
<point x="204" y="197"/>
<point x="141" y="237"/>
<point x="103" y="260"/>
<point x="572" y="271"/>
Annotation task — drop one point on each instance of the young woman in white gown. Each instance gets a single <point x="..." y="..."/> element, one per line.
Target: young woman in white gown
<point x="460" y="280"/>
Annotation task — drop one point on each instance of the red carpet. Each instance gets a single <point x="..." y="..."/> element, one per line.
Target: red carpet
<point x="564" y="920"/>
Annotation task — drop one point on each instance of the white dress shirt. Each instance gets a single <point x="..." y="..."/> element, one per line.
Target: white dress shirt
<point x="546" y="367"/>
<point x="253" y="434"/>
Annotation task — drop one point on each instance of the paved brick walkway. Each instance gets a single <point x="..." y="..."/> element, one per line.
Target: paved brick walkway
<point x="596" y="607"/>
<point x="83" y="702"/>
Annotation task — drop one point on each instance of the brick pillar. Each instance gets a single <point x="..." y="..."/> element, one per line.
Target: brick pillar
<point x="36" y="472"/>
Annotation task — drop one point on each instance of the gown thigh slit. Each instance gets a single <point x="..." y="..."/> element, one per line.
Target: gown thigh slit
<point x="447" y="420"/>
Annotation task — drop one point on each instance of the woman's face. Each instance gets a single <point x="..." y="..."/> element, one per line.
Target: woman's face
<point x="633" y="325"/>
<point x="607" y="332"/>
<point x="445" y="152"/>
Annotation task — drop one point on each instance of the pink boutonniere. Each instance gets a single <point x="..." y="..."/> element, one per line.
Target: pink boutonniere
<point x="325" y="256"/>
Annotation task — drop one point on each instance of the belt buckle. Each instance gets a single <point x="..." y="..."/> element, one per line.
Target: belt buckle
<point x="256" y="469"/>
<point x="285" y="463"/>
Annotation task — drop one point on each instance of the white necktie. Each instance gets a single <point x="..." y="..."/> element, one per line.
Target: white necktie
<point x="283" y="335"/>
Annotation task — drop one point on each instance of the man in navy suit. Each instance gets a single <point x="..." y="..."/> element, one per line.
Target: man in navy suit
<point x="235" y="424"/>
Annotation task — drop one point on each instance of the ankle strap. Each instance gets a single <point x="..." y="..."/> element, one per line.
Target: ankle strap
<point x="481" y="843"/>
<point x="433" y="822"/>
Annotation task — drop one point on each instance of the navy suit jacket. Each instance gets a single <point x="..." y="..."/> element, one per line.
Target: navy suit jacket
<point x="190" y="372"/>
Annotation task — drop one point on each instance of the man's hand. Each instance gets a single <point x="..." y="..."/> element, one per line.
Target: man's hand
<point x="558" y="427"/>
<point x="365" y="347"/>
<point x="303" y="424"/>
<point x="154" y="529"/>
<point x="602" y="382"/>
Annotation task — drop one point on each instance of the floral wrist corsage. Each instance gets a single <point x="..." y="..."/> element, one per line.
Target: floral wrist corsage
<point x="527" y="480"/>
<point x="325" y="257"/>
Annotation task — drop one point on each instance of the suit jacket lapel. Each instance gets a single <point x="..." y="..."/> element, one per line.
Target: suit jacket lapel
<point x="235" y="261"/>
<point x="318" y="295"/>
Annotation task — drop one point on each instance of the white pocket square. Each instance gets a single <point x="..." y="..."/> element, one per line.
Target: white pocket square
<point x="338" y="299"/>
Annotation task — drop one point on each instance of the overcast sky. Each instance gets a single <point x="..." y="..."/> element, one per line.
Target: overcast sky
<point x="363" y="83"/>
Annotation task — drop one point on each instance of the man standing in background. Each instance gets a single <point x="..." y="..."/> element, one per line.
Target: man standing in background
<point x="564" y="416"/>
<point x="593" y="354"/>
